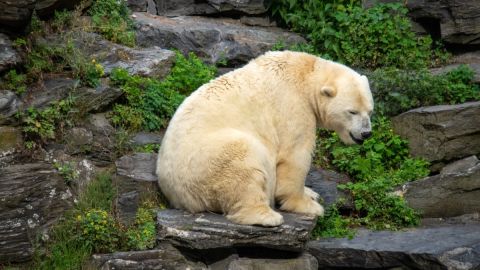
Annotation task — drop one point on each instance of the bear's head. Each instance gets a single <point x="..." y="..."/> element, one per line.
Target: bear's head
<point x="345" y="103"/>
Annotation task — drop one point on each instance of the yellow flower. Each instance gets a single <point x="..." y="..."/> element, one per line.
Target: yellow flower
<point x="93" y="61"/>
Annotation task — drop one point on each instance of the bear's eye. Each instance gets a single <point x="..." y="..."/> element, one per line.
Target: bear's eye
<point x="353" y="112"/>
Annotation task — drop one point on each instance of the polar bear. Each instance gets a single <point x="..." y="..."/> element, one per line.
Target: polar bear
<point x="244" y="141"/>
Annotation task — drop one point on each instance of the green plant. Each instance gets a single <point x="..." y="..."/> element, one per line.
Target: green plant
<point x="150" y="102"/>
<point x="147" y="148"/>
<point x="333" y="225"/>
<point x="376" y="167"/>
<point x="396" y="91"/>
<point x="344" y="31"/>
<point x="142" y="235"/>
<point x="99" y="230"/>
<point x="15" y="82"/>
<point x="62" y="20"/>
<point x="67" y="171"/>
<point x="111" y="18"/>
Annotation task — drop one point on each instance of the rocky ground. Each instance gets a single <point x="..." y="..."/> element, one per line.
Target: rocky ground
<point x="33" y="195"/>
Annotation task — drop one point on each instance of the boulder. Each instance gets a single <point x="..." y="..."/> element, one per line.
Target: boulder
<point x="135" y="178"/>
<point x="96" y="99"/>
<point x="78" y="140"/>
<point x="303" y="262"/>
<point x="212" y="39"/>
<point x="441" y="133"/>
<point x="443" y="247"/>
<point x="470" y="59"/>
<point x="163" y="257"/>
<point x="47" y="8"/>
<point x="50" y="90"/>
<point x="453" y="192"/>
<point x="15" y="15"/>
<point x="11" y="139"/>
<point x="32" y="197"/>
<point x="325" y="183"/>
<point x="144" y="138"/>
<point x="103" y="147"/>
<point x="211" y="7"/>
<point x="143" y="6"/>
<point x="209" y="231"/>
<point x="9" y="105"/>
<point x="8" y="55"/>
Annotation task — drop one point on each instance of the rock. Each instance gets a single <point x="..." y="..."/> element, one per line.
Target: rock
<point x="257" y="21"/>
<point x="470" y="59"/>
<point x="460" y="165"/>
<point x="50" y="91"/>
<point x="9" y="105"/>
<point x="8" y="56"/>
<point x="78" y="140"/>
<point x="135" y="178"/>
<point x="441" y="133"/>
<point x="46" y="8"/>
<point x="32" y="197"/>
<point x="325" y="182"/>
<point x="454" y="192"/>
<point x="96" y="99"/>
<point x="11" y="139"/>
<point x="211" y="7"/>
<point x="302" y="262"/>
<point x="208" y="231"/>
<point x="144" y="138"/>
<point x="143" y="6"/>
<point x="15" y="15"/>
<point x="102" y="152"/>
<point x="445" y="247"/>
<point x="164" y="257"/>
<point x="212" y="39"/>
<point x="150" y="62"/>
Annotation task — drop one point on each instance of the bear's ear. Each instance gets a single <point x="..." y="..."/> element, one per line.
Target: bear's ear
<point x="328" y="91"/>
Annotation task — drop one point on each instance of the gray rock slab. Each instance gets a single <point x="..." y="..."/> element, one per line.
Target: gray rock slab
<point x="139" y="166"/>
<point x="32" y="197"/>
<point x="8" y="55"/>
<point x="208" y="231"/>
<point x="212" y="39"/>
<point x="303" y="262"/>
<point x="211" y="7"/>
<point x="11" y="139"/>
<point x="15" y="15"/>
<point x="143" y="138"/>
<point x="446" y="195"/>
<point x="50" y="91"/>
<point x="96" y="99"/>
<point x="163" y="257"/>
<point x="47" y="8"/>
<point x="9" y="105"/>
<point x="441" y="133"/>
<point x="325" y="183"/>
<point x="447" y="247"/>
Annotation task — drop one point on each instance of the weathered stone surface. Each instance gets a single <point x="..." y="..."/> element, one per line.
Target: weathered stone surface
<point x="9" y="105"/>
<point x="325" y="183"/>
<point x="96" y="99"/>
<point x="50" y="91"/>
<point x="164" y="257"/>
<point x="210" y="7"/>
<point x="470" y="59"/>
<point x="32" y="197"/>
<point x="446" y="247"/>
<point x="143" y="6"/>
<point x="135" y="178"/>
<point x="78" y="140"/>
<point x="213" y="39"/>
<point x="10" y="139"/>
<point x="451" y="193"/>
<point x="208" y="230"/>
<point x="15" y="15"/>
<point x="143" y="138"/>
<point x="102" y="152"/>
<point x="441" y="133"/>
<point x="8" y="56"/>
<point x="302" y="262"/>
<point x="460" y="165"/>
<point x="46" y="8"/>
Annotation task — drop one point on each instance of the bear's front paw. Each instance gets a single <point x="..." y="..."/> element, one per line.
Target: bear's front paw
<point x="263" y="215"/>
<point x="312" y="194"/>
<point x="303" y="205"/>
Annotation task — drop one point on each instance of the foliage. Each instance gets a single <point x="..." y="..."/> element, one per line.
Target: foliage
<point x="15" y="82"/>
<point x="396" y="91"/>
<point x="333" y="225"/>
<point x="111" y="19"/>
<point x="98" y="230"/>
<point x="148" y="148"/>
<point x="142" y="234"/>
<point x="67" y="171"/>
<point x="380" y="164"/>
<point x="344" y="31"/>
<point x="150" y="102"/>
<point x="43" y="124"/>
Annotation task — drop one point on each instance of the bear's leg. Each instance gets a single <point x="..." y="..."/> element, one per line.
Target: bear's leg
<point x="291" y="192"/>
<point x="252" y="205"/>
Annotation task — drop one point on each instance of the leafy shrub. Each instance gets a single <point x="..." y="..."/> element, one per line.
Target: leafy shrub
<point x="99" y="230"/>
<point x="142" y="235"/>
<point x="333" y="225"/>
<point x="150" y="102"/>
<point x="396" y="91"/>
<point x="14" y="81"/>
<point x="380" y="164"/>
<point x="67" y="171"/>
<point x="111" y="19"/>
<point x="344" y="31"/>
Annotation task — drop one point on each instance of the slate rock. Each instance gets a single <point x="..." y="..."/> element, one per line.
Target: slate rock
<point x="208" y="231"/>
<point x="470" y="59"/>
<point x="51" y="90"/>
<point x="15" y="15"/>
<point x="11" y="139"/>
<point x="303" y="262"/>
<point x="32" y="197"/>
<point x="211" y="7"/>
<point x="325" y="183"/>
<point x="139" y="166"/>
<point x="460" y="165"/>
<point x="78" y="140"/>
<point x="102" y="151"/>
<point x="46" y="8"/>
<point x="212" y="39"/>
<point x="452" y="193"/>
<point x="441" y="133"/>
<point x="9" y="106"/>
<point x="8" y="55"/>
<point x="142" y="6"/>
<point x="144" y="138"/>
<point x="446" y="247"/>
<point x="96" y="99"/>
<point x="163" y="257"/>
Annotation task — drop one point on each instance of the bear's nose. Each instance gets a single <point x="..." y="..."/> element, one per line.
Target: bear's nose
<point x="366" y="135"/>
